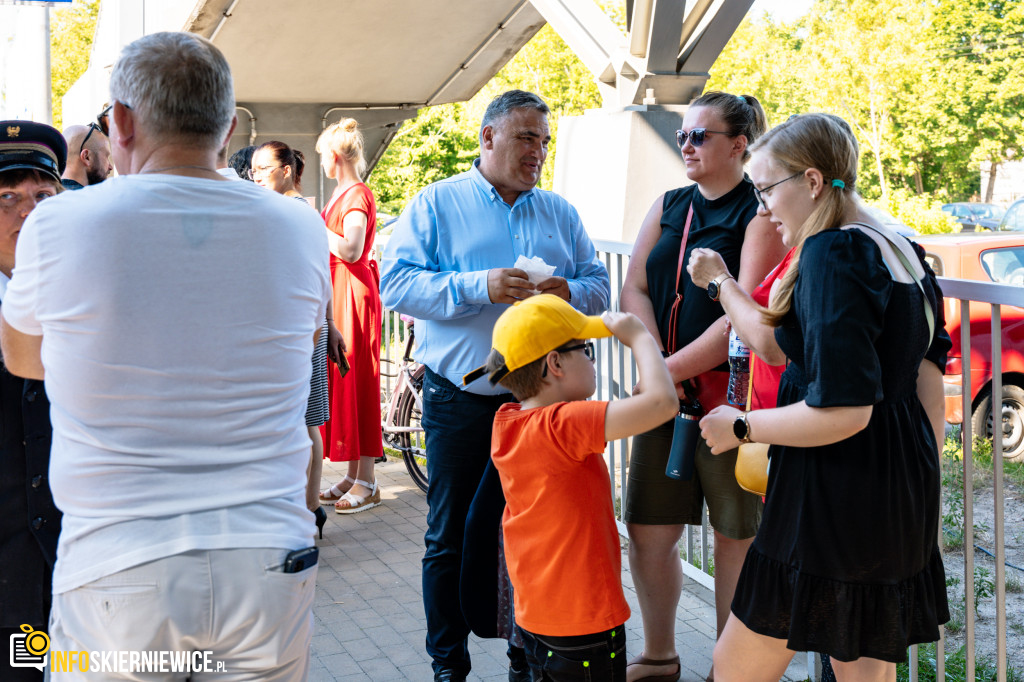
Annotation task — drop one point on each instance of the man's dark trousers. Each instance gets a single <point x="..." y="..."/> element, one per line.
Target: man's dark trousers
<point x="458" y="432"/>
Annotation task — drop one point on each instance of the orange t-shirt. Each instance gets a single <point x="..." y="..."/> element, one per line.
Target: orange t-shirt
<point x="561" y="541"/>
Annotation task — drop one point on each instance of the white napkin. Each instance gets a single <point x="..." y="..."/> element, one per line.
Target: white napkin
<point x="535" y="268"/>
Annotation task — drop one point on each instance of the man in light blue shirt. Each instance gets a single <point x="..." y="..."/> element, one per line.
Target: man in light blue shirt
<point x="449" y="265"/>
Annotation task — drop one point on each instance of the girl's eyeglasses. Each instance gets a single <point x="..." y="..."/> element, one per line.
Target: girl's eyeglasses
<point x="759" y="193"/>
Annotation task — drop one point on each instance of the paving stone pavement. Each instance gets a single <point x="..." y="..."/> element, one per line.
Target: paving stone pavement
<point x="369" y="622"/>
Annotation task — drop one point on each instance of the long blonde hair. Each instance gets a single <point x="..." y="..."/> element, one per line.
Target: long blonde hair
<point x="344" y="139"/>
<point x="825" y="142"/>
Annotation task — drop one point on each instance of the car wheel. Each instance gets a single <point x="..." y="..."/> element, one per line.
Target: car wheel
<point x="1012" y="421"/>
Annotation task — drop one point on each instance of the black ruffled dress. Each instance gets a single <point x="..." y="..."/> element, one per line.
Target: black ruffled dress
<point x="846" y="561"/>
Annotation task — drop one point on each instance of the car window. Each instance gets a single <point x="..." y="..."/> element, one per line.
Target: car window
<point x="1005" y="266"/>
<point x="1014" y="218"/>
<point x="990" y="211"/>
<point x="934" y="262"/>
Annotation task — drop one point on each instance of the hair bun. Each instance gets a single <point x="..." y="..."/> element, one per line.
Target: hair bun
<point x="298" y="154"/>
<point x="350" y="125"/>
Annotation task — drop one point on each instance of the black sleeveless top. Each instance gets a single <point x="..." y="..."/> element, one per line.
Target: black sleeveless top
<point x="718" y="224"/>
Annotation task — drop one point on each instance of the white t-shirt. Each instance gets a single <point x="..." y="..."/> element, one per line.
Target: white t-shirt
<point x="177" y="317"/>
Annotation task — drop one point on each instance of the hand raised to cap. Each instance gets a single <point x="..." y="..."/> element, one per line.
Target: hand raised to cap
<point x="626" y="327"/>
<point x="508" y="285"/>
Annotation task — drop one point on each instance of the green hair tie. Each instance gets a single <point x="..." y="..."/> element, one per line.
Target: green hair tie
<point x="838" y="183"/>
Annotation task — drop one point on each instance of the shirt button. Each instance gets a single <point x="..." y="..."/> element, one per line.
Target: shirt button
<point x="37" y="481"/>
<point x="30" y="396"/>
<point x="38" y="522"/>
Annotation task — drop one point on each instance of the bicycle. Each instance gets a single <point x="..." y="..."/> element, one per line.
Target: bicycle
<point x="400" y="416"/>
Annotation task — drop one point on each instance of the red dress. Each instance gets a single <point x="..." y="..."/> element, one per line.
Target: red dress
<point x="353" y="430"/>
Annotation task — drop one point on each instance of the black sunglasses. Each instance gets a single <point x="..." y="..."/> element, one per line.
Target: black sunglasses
<point x="103" y="119"/>
<point x="587" y="347"/>
<point x="696" y="136"/>
<point x="759" y="192"/>
<point x="92" y="127"/>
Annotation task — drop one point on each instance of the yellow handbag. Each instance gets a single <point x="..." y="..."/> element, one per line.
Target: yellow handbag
<point x="752" y="459"/>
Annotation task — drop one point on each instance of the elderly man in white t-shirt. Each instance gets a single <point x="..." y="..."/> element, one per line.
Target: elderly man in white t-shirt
<point x="174" y="313"/>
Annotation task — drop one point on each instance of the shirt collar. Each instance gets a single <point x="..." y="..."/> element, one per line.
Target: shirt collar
<point x="4" y="281"/>
<point x="489" y="189"/>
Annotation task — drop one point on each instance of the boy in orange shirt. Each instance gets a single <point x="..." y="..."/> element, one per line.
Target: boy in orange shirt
<point x="561" y="541"/>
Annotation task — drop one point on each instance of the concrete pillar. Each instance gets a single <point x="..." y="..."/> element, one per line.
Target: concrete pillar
<point x="613" y="163"/>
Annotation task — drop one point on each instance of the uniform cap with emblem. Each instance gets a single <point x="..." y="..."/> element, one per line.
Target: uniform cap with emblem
<point x="534" y="327"/>
<point x="25" y="145"/>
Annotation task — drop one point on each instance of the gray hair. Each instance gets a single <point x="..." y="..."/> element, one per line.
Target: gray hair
<point x="502" y="105"/>
<point x="179" y="85"/>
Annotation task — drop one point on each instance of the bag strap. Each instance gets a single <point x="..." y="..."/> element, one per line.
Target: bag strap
<point x="673" y="317"/>
<point x="882" y="238"/>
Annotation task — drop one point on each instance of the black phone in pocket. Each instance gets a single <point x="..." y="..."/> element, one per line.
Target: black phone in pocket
<point x="301" y="559"/>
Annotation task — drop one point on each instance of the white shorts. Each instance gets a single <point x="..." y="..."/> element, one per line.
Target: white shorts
<point x="255" y="621"/>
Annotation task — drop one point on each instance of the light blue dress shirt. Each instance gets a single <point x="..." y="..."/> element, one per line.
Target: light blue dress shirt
<point x="435" y="265"/>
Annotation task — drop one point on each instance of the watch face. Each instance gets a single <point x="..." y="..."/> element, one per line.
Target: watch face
<point x="739" y="428"/>
<point x="713" y="290"/>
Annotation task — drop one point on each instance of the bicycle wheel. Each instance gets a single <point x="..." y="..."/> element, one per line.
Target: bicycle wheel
<point x="413" y="444"/>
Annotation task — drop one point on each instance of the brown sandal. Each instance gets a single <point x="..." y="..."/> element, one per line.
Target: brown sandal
<point x="667" y="677"/>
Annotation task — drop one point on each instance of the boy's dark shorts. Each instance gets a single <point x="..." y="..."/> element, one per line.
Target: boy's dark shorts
<point x="654" y="499"/>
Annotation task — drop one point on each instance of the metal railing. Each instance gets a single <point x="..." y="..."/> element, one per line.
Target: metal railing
<point x="617" y="375"/>
<point x="996" y="296"/>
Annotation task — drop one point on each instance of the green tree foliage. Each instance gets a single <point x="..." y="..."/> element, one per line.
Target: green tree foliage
<point x="932" y="88"/>
<point x="443" y="140"/>
<point x="71" y="34"/>
<point x="980" y="53"/>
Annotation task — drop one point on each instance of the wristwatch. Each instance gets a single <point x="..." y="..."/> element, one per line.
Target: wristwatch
<point x="715" y="285"/>
<point x="741" y="428"/>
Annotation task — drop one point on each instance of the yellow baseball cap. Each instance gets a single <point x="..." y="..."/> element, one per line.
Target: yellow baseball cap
<point x="532" y="328"/>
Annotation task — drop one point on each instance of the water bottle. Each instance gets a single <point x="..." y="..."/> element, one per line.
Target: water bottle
<point x="739" y="371"/>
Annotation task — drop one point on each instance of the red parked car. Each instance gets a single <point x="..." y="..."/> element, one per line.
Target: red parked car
<point x="985" y="257"/>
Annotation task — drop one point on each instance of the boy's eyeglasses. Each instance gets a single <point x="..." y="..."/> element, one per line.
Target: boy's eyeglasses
<point x="759" y="193"/>
<point x="696" y="136"/>
<point x="588" y="349"/>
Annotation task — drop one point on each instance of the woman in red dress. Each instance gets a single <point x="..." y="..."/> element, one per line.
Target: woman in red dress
<point x="353" y="433"/>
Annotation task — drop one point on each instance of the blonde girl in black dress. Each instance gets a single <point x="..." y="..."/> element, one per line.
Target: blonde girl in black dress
<point x="846" y="560"/>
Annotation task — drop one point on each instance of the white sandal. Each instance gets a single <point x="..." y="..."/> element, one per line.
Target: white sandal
<point x="333" y="494"/>
<point x="358" y="503"/>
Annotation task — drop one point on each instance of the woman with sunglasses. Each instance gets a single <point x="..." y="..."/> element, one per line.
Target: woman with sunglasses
<point x="854" y="455"/>
<point x="718" y="211"/>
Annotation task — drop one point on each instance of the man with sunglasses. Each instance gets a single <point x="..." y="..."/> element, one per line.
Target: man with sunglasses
<point x="449" y="264"/>
<point x="146" y="304"/>
<point x="88" y="156"/>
